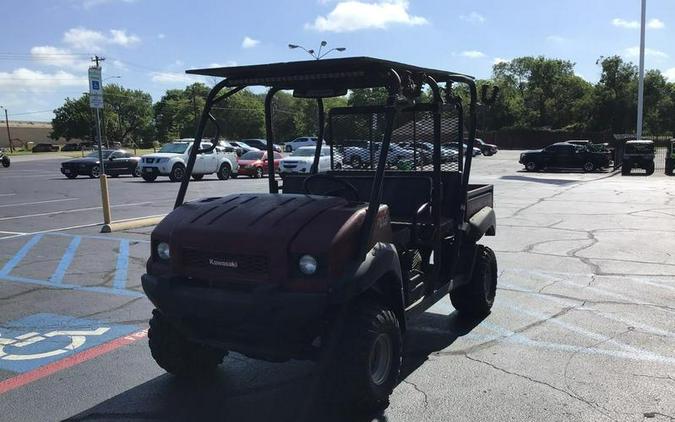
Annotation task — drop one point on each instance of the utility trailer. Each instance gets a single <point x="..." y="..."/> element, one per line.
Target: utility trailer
<point x="329" y="266"/>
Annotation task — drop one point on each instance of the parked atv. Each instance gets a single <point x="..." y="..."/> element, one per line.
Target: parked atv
<point x="638" y="154"/>
<point x="4" y="158"/>
<point x="327" y="266"/>
<point x="670" y="158"/>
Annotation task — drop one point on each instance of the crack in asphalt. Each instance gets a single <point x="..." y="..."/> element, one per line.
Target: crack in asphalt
<point x="592" y="405"/>
<point x="419" y="390"/>
<point x="114" y="308"/>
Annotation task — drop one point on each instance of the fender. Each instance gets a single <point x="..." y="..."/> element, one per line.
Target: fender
<point x="380" y="271"/>
<point x="484" y="222"/>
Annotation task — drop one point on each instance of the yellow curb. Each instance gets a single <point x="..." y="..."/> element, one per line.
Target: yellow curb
<point x="131" y="224"/>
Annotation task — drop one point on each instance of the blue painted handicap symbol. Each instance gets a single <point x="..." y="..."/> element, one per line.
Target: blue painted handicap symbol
<point x="95" y="85"/>
<point x="39" y="339"/>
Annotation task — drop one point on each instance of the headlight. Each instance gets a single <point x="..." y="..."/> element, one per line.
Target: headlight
<point x="163" y="250"/>
<point x="308" y="264"/>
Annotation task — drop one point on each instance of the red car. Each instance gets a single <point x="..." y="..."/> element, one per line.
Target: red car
<point x="254" y="163"/>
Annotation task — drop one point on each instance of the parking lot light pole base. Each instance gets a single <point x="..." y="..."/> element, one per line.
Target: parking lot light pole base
<point x="105" y="199"/>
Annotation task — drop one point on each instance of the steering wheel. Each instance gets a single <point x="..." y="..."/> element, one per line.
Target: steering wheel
<point x="347" y="188"/>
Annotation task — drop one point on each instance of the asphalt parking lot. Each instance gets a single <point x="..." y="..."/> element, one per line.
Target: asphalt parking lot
<point x="583" y="327"/>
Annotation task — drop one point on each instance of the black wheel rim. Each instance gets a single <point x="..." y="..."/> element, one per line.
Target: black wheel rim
<point x="95" y="171"/>
<point x="178" y="173"/>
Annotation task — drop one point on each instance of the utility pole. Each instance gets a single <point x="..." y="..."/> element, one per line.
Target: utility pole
<point x="641" y="82"/>
<point x="9" y="137"/>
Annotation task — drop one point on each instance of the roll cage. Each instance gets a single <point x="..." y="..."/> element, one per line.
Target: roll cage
<point x="334" y="77"/>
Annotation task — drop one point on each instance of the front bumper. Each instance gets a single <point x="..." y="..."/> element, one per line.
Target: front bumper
<point x="245" y="171"/>
<point x="266" y="322"/>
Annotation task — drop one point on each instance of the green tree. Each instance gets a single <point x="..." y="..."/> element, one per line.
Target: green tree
<point x="615" y="98"/>
<point x="128" y="115"/>
<point x="73" y="120"/>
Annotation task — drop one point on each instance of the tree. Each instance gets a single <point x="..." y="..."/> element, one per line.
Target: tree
<point x="73" y="120"/>
<point x="615" y="96"/>
<point x="178" y="112"/>
<point x="128" y="115"/>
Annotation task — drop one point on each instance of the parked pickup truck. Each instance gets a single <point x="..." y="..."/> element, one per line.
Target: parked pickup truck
<point x="171" y="160"/>
<point x="564" y="155"/>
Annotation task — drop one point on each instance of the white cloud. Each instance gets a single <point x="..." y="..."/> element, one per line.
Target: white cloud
<point x="472" y="54"/>
<point x="473" y="17"/>
<point x="353" y="15"/>
<point x="626" y="24"/>
<point x="228" y="63"/>
<point x="161" y="36"/>
<point x="89" y="40"/>
<point x="59" y="57"/>
<point x="249" y="42"/>
<point x="670" y="74"/>
<point x="120" y="37"/>
<point x="634" y="52"/>
<point x="171" y="78"/>
<point x="35" y="81"/>
<point x="120" y="65"/>
<point x="498" y="60"/>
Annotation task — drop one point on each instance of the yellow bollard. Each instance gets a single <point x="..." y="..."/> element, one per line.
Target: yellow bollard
<point x="105" y="199"/>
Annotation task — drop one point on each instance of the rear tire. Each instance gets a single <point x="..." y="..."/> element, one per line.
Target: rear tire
<point x="367" y="361"/>
<point x="650" y="169"/>
<point x="71" y="175"/>
<point x="224" y="172"/>
<point x="149" y="177"/>
<point x="136" y="172"/>
<point x="477" y="297"/>
<point x="589" y="166"/>
<point x="95" y="172"/>
<point x="177" y="173"/>
<point x="177" y="355"/>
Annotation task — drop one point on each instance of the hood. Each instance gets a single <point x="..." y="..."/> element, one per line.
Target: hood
<point x="309" y="160"/>
<point x="83" y="160"/>
<point x="161" y="155"/>
<point x="264" y="231"/>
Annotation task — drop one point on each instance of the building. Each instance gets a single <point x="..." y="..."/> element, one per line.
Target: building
<point x="26" y="131"/>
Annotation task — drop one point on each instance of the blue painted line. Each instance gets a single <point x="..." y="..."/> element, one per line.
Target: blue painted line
<point x="60" y="272"/>
<point x="75" y="287"/>
<point x="120" y="280"/>
<point x="14" y="261"/>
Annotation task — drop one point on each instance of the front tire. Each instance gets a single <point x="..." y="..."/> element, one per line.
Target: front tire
<point x="477" y="297"/>
<point x="366" y="367"/>
<point x="224" y="171"/>
<point x="177" y="173"/>
<point x="531" y="166"/>
<point x="176" y="355"/>
<point x="136" y="172"/>
<point x="258" y="173"/>
<point x="626" y="168"/>
<point x="5" y="162"/>
<point x="71" y="175"/>
<point x="149" y="177"/>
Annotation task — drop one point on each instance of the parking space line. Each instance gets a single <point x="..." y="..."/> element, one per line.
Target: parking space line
<point x="43" y="214"/>
<point x="46" y="370"/>
<point x="121" y="267"/>
<point x="66" y="259"/>
<point x="14" y="261"/>
<point x="39" y="202"/>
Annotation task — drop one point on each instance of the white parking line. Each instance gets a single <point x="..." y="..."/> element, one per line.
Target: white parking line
<point x="69" y="211"/>
<point x="7" y="194"/>
<point x="39" y="202"/>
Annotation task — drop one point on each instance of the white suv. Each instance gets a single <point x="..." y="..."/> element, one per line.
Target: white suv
<point x="171" y="160"/>
<point x="300" y="142"/>
<point x="302" y="159"/>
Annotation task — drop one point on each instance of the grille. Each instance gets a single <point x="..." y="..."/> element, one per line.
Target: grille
<point x="357" y="134"/>
<point x="225" y="263"/>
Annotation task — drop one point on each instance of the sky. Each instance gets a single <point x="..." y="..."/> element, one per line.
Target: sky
<point x="46" y="45"/>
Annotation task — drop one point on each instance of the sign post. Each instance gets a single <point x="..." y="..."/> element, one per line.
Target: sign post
<point x="96" y="102"/>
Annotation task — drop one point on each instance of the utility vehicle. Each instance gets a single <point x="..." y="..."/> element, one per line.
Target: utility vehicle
<point x="670" y="157"/>
<point x="327" y="266"/>
<point x="638" y="154"/>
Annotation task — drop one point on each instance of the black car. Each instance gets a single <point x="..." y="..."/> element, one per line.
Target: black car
<point x="117" y="161"/>
<point x="261" y="144"/>
<point x="564" y="155"/>
<point x="45" y="148"/>
<point x="72" y="147"/>
<point x="485" y="148"/>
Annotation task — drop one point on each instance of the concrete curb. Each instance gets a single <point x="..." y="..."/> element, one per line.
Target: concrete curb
<point x="131" y="224"/>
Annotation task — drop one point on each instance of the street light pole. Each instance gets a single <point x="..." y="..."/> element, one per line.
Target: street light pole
<point x="317" y="56"/>
<point x="641" y="82"/>
<point x="9" y="137"/>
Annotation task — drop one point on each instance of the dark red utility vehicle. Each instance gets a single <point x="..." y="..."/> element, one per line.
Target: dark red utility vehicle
<point x="328" y="266"/>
